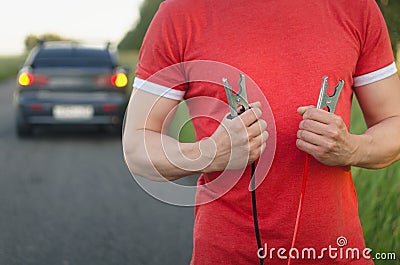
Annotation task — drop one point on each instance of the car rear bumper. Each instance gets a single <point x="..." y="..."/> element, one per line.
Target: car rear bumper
<point x="47" y="115"/>
<point x="96" y="120"/>
<point x="106" y="110"/>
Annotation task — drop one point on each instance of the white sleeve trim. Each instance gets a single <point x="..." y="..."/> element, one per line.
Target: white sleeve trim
<point x="157" y="89"/>
<point x="375" y="76"/>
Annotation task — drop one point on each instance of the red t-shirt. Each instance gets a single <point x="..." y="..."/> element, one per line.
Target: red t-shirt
<point x="285" y="48"/>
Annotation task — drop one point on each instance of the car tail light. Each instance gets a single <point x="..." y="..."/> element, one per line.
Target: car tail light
<point x="104" y="80"/>
<point x="119" y="80"/>
<point x="109" y="107"/>
<point x="36" y="107"/>
<point x="27" y="79"/>
<point x="40" y="80"/>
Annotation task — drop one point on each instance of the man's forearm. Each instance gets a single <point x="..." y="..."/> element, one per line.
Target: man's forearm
<point x="159" y="157"/>
<point x="153" y="155"/>
<point x="379" y="146"/>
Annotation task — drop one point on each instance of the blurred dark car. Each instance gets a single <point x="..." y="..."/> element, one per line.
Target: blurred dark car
<point x="70" y="84"/>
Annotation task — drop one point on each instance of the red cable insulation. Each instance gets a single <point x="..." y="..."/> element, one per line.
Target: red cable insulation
<point x="300" y="207"/>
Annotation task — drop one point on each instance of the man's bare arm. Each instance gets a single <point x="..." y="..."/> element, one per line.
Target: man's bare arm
<point x="150" y="153"/>
<point x="380" y="144"/>
<point x="325" y="136"/>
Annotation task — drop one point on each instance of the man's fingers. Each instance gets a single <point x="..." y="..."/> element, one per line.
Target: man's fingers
<point x="256" y="128"/>
<point x="318" y="115"/>
<point x="250" y="116"/>
<point x="313" y="138"/>
<point x="306" y="147"/>
<point x="256" y="142"/>
<point x="301" y="110"/>
<point x="256" y="104"/>
<point x="314" y="126"/>
<point x="257" y="146"/>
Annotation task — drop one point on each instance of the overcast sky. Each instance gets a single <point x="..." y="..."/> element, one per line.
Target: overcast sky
<point x="88" y="20"/>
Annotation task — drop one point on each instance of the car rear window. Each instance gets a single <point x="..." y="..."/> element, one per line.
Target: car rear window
<point x="73" y="57"/>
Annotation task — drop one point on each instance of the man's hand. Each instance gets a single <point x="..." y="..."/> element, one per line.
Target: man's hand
<point x="236" y="142"/>
<point x="325" y="136"/>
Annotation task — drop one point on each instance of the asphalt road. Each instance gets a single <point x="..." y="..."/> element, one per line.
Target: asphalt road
<point x="67" y="198"/>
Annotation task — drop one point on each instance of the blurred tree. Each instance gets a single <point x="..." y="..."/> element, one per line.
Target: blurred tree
<point x="134" y="38"/>
<point x="32" y="40"/>
<point x="391" y="10"/>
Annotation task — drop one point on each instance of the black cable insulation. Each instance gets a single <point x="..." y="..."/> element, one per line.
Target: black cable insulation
<point x="254" y="206"/>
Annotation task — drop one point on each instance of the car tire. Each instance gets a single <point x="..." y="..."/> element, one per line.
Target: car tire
<point x="113" y="129"/>
<point x="24" y="129"/>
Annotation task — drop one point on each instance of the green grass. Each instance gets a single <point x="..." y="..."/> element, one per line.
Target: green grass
<point x="9" y="66"/>
<point x="379" y="200"/>
<point x="378" y="190"/>
<point x="180" y="128"/>
<point x="129" y="59"/>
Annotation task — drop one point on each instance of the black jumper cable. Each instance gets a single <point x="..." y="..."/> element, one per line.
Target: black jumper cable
<point x="238" y="104"/>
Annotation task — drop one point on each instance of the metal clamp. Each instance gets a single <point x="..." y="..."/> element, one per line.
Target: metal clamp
<point x="237" y="101"/>
<point x="325" y="100"/>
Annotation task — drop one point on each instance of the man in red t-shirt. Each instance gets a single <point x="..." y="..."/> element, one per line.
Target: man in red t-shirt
<point x="284" y="48"/>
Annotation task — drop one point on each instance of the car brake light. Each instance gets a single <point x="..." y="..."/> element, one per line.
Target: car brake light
<point x="27" y="79"/>
<point x="36" y="107"/>
<point x="40" y="80"/>
<point x="119" y="80"/>
<point x="109" y="107"/>
<point x="103" y="80"/>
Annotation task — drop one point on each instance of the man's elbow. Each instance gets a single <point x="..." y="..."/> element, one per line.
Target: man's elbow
<point x="137" y="163"/>
<point x="383" y="163"/>
<point x="130" y="161"/>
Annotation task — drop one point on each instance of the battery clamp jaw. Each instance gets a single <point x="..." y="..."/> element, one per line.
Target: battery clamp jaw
<point x="237" y="101"/>
<point x="238" y="104"/>
<point x="327" y="101"/>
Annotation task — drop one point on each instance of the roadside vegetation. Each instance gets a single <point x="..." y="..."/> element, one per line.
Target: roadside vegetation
<point x="377" y="190"/>
<point x="129" y="60"/>
<point x="379" y="201"/>
<point x="9" y="66"/>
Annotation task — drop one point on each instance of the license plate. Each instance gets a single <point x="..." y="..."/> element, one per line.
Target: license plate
<point x="68" y="82"/>
<point x="73" y="112"/>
